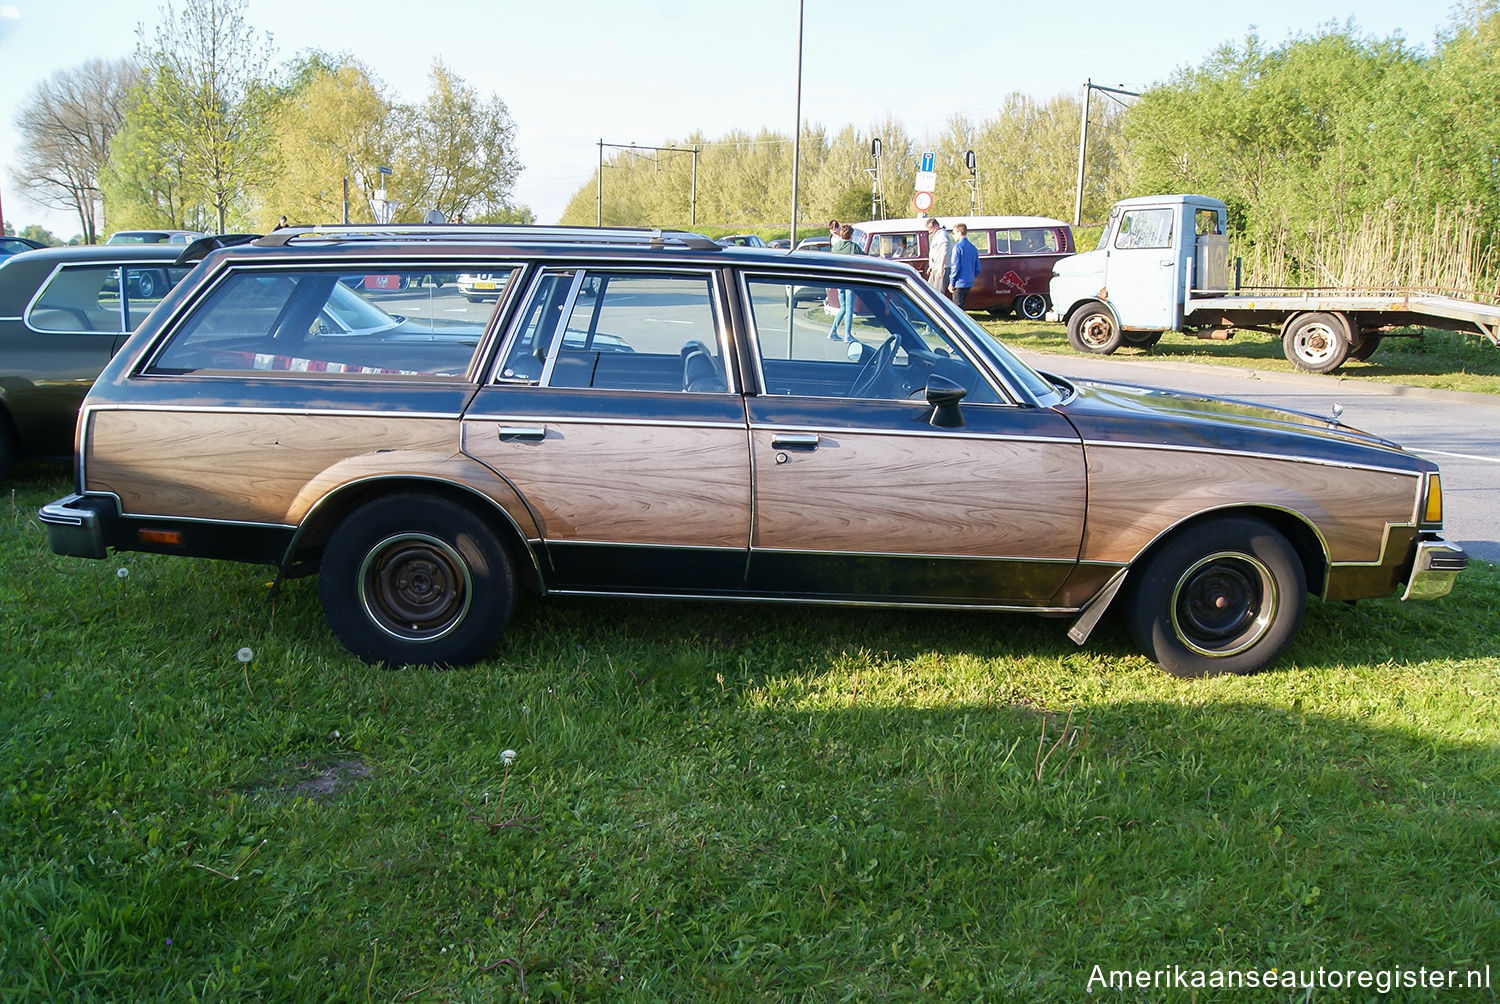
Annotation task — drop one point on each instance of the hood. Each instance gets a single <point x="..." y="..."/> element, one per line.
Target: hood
<point x="1108" y="412"/>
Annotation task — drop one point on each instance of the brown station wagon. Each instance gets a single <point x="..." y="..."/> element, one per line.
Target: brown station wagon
<point x="643" y="413"/>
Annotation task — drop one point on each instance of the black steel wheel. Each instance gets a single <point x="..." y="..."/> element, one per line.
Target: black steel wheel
<point x="414" y="579"/>
<point x="1142" y="339"/>
<point x="1364" y="348"/>
<point x="1032" y="306"/>
<point x="1223" y="596"/>
<point x="1093" y="329"/>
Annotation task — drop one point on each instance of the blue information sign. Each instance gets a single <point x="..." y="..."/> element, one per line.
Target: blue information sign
<point x="929" y="162"/>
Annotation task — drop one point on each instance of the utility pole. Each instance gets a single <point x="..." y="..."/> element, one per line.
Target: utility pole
<point x="874" y="173"/>
<point x="797" y="129"/>
<point x="973" y="167"/>
<point x="599" y="187"/>
<point x="1089" y="87"/>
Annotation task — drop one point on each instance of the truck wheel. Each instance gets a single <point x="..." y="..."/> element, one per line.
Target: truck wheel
<point x="417" y="580"/>
<point x="1093" y="329"/>
<point x="1317" y="343"/>
<point x="1364" y="348"/>
<point x="1142" y="339"/>
<point x="1032" y="306"/>
<point x="1224" y="596"/>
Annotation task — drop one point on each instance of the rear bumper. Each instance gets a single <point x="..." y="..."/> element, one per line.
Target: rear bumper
<point x="1434" y="569"/>
<point x="77" y="525"/>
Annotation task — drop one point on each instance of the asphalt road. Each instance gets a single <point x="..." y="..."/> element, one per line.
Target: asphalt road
<point x="1459" y="432"/>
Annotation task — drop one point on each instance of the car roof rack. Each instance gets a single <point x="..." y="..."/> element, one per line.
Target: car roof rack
<point x="480" y="233"/>
<point x="199" y="249"/>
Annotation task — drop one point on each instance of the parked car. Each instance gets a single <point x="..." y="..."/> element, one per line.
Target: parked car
<point x="649" y="414"/>
<point x="154" y="236"/>
<point x="61" y="318"/>
<point x="477" y="286"/>
<point x="15" y="245"/>
<point x="1016" y="255"/>
<point x="741" y="241"/>
<point x="784" y="243"/>
<point x="815" y="243"/>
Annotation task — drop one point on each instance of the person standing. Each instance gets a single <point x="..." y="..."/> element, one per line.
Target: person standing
<point x="843" y="243"/>
<point x="965" y="268"/>
<point x="938" y="249"/>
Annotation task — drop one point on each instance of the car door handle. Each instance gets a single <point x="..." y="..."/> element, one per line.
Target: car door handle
<point x="795" y="441"/>
<point x="531" y="432"/>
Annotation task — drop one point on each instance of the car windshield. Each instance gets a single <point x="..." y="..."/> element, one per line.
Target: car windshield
<point x="1045" y="391"/>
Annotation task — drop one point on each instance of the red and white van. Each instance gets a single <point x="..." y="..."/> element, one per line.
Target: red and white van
<point x="1016" y="255"/>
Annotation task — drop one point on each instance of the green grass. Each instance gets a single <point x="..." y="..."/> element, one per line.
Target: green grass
<point x="717" y="802"/>
<point x="1444" y="360"/>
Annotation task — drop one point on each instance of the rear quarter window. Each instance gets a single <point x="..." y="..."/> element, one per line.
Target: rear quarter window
<point x="91" y="298"/>
<point x="383" y="322"/>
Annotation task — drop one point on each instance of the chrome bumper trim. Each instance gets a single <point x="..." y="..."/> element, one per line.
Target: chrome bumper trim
<point x="1434" y="569"/>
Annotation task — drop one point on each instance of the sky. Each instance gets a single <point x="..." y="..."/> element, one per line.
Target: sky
<point x="578" y="72"/>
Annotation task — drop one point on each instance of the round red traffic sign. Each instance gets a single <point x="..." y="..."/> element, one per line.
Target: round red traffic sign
<point x="923" y="201"/>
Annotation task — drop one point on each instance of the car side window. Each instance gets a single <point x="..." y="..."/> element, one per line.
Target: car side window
<point x="889" y="351"/>
<point x="1145" y="228"/>
<point x="620" y="331"/>
<point x="91" y="298"/>
<point x="327" y="322"/>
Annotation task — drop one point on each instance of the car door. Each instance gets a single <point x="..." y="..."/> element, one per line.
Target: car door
<point x="865" y="489"/>
<point x="77" y="317"/>
<point x="614" y="416"/>
<point x="1143" y="271"/>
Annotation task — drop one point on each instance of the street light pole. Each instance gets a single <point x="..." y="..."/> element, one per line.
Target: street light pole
<point x="797" y="126"/>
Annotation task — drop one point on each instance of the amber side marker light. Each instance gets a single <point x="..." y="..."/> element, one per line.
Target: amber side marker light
<point x="1432" y="512"/>
<point x="171" y="538"/>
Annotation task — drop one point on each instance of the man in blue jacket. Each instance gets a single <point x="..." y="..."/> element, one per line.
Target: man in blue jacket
<point x="965" y="267"/>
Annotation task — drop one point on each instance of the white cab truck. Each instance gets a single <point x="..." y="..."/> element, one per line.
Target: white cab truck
<point x="1163" y="265"/>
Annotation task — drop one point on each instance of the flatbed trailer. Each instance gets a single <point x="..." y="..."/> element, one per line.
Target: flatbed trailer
<point x="1162" y="265"/>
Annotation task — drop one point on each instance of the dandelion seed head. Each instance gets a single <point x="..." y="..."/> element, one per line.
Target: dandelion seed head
<point x="245" y="654"/>
<point x="507" y="757"/>
<point x="122" y="573"/>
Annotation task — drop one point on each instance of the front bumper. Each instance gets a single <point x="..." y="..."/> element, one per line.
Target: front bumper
<point x="1434" y="569"/>
<point x="77" y="525"/>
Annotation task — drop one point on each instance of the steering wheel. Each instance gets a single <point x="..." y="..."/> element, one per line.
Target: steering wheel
<point x="874" y="368"/>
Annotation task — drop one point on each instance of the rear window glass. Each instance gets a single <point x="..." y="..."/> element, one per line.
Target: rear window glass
<point x="397" y="323"/>
<point x="91" y="297"/>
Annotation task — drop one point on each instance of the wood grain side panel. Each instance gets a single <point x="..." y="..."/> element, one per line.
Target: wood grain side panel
<point x="630" y="484"/>
<point x="941" y="495"/>
<point x="1137" y="494"/>
<point x="237" y="466"/>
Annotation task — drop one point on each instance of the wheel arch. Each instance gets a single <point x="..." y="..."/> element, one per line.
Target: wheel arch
<point x="324" y="516"/>
<point x="1306" y="541"/>
<point x="1078" y="305"/>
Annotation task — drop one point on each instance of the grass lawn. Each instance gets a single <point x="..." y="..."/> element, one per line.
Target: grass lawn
<point x="1445" y="360"/>
<point x="203" y="797"/>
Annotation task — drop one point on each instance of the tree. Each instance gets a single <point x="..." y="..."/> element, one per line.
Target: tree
<point x="330" y="127"/>
<point x="201" y="111"/>
<point x="455" y="153"/>
<point x="66" y="128"/>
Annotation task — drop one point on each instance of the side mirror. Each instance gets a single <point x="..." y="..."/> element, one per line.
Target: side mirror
<point x="943" y="395"/>
<point x="857" y="350"/>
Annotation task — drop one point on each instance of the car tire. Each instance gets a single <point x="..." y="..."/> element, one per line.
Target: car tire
<point x="1142" y="339"/>
<point x="145" y="284"/>
<point x="1316" y="342"/>
<point x="1093" y="329"/>
<point x="416" y="580"/>
<point x="1364" y="348"/>
<point x="1220" y="597"/>
<point x="7" y="449"/>
<point x="1032" y="306"/>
